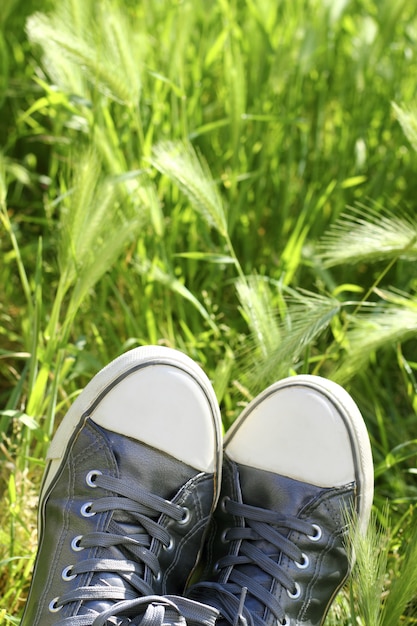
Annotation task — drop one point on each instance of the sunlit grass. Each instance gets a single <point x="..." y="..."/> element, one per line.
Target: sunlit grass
<point x="235" y="182"/>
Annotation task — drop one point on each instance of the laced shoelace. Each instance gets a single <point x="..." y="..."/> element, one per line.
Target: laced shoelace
<point x="133" y="526"/>
<point x="260" y="525"/>
<point x="150" y="611"/>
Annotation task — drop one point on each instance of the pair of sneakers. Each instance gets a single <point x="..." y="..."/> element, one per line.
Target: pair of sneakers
<point x="147" y="517"/>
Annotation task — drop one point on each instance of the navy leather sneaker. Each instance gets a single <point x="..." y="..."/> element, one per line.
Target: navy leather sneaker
<point x="131" y="480"/>
<point x="297" y="480"/>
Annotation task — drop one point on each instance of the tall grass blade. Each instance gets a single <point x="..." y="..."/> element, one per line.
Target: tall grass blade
<point x="365" y="234"/>
<point x="373" y="329"/>
<point x="258" y="309"/>
<point x="8" y="227"/>
<point x="97" y="221"/>
<point x="402" y="590"/>
<point x="307" y="316"/>
<point x="407" y="118"/>
<point x="368" y="581"/>
<point x="99" y="44"/>
<point x="189" y="171"/>
<point x="154" y="272"/>
<point x="235" y="101"/>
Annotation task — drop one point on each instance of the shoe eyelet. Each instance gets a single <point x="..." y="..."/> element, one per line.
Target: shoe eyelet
<point x="90" y="479"/>
<point x="75" y="544"/>
<point x="170" y="546"/>
<point x="67" y="573"/>
<point x="317" y="533"/>
<point x="54" y="607"/>
<point x="157" y="577"/>
<point x="223" y="536"/>
<point x="296" y="594"/>
<point x="304" y="563"/>
<point x="223" y="503"/>
<point x="86" y="510"/>
<point x="185" y="516"/>
<point x="216" y="568"/>
<point x="286" y="622"/>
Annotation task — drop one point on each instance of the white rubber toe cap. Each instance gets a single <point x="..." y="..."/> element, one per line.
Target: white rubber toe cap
<point x="307" y="428"/>
<point x="153" y="394"/>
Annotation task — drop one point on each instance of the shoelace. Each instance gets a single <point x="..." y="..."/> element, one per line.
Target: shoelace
<point x="150" y="611"/>
<point x="260" y="525"/>
<point x="133" y="526"/>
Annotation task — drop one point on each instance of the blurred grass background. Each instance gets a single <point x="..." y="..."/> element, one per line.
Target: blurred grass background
<point x="235" y="180"/>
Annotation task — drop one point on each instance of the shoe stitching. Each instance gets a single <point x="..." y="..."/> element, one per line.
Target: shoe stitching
<point x="107" y="461"/>
<point x="315" y="576"/>
<point x="197" y="504"/>
<point x="332" y="538"/>
<point x="183" y="542"/>
<point x="70" y="461"/>
<point x="189" y="491"/>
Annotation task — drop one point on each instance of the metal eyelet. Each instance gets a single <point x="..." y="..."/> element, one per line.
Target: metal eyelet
<point x="185" y="516"/>
<point x="90" y="479"/>
<point x="223" y="503"/>
<point x="317" y="533"/>
<point x="296" y="594"/>
<point x="86" y="510"/>
<point x="157" y="577"/>
<point x="66" y="573"/>
<point x="75" y="544"/>
<point x="170" y="546"/>
<point x="54" y="607"/>
<point x="304" y="563"/>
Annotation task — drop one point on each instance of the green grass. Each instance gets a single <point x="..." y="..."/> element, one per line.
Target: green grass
<point x="238" y="183"/>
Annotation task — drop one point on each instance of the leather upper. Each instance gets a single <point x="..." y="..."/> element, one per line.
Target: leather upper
<point x="95" y="449"/>
<point x="328" y="563"/>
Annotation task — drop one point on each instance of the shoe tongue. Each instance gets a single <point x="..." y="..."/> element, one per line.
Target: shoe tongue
<point x="153" y="470"/>
<point x="275" y="492"/>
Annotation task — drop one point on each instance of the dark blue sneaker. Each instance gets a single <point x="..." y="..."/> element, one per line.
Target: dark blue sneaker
<point x="131" y="480"/>
<point x="297" y="480"/>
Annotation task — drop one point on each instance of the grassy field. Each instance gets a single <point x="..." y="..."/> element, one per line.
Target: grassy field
<point x="238" y="182"/>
